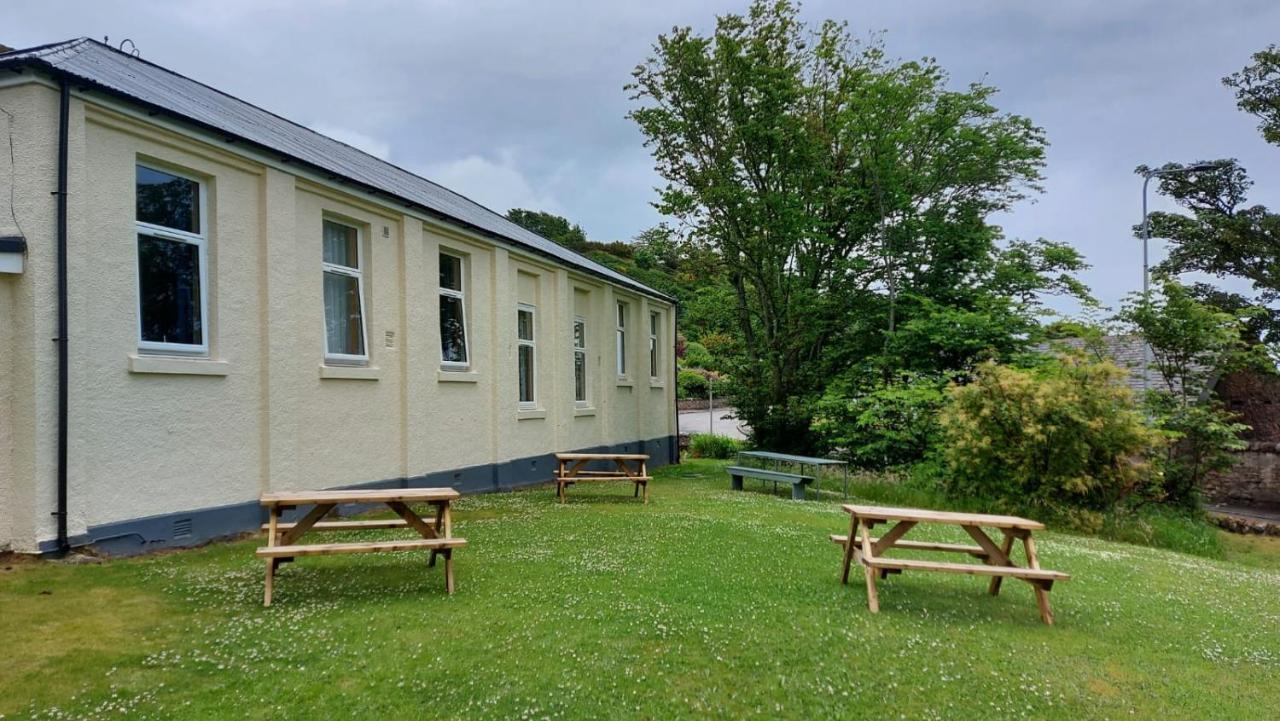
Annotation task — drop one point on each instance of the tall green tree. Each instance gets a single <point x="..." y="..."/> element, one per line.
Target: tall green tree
<point x="550" y="226"/>
<point x="831" y="182"/>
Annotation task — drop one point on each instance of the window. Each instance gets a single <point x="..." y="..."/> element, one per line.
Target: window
<point x="524" y="355"/>
<point x="622" y="339"/>
<point x="172" y="302"/>
<point x="343" y="294"/>
<point x="653" y="345"/>
<point x="580" y="361"/>
<point x="453" y="314"/>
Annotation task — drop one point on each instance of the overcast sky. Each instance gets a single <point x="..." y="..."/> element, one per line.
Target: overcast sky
<point x="520" y="104"/>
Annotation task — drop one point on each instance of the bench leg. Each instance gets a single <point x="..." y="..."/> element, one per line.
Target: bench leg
<point x="636" y="492"/>
<point x="271" y="574"/>
<point x="432" y="562"/>
<point x="797" y="491"/>
<point x="448" y="571"/>
<point x="873" y="597"/>
<point x="1042" y="588"/>
<point x="735" y="483"/>
<point x="646" y="493"/>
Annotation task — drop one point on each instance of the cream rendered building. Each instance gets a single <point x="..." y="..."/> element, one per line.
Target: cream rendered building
<point x="250" y="306"/>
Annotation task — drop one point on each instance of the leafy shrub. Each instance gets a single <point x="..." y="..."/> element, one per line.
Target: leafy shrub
<point x="885" y="427"/>
<point x="696" y="355"/>
<point x="706" y="445"/>
<point x="1068" y="437"/>
<point x="1201" y="439"/>
<point x="691" y="384"/>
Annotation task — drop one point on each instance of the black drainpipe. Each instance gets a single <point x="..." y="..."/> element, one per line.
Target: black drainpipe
<point x="64" y="111"/>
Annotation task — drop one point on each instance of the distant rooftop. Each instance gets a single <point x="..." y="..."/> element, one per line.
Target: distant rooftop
<point x="96" y="66"/>
<point x="1126" y="352"/>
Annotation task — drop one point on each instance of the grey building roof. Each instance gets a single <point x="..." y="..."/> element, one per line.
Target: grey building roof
<point x="93" y="65"/>
<point x="1123" y="350"/>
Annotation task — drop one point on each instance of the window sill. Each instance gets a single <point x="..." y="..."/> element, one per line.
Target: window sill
<point x="531" y="414"/>
<point x="351" y="373"/>
<point x="625" y="383"/>
<point x="444" y="376"/>
<point x="583" y="412"/>
<point x="655" y="383"/>
<point x="172" y="365"/>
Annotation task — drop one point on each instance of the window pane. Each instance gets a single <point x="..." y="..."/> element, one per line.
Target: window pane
<point x="622" y="315"/>
<point x="340" y="245"/>
<point x="579" y="334"/>
<point x="526" y="374"/>
<point x="524" y="325"/>
<point x="165" y="199"/>
<point x="653" y="324"/>
<point x="344" y="326"/>
<point x="580" y="376"/>
<point x="622" y="353"/>
<point x="453" y="336"/>
<point x="450" y="272"/>
<point x="169" y="291"/>
<point x="653" y="358"/>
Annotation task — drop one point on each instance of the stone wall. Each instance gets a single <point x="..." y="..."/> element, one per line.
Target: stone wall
<point x="1253" y="482"/>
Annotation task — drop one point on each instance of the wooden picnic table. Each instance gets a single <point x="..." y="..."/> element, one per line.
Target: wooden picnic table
<point x="570" y="470"/>
<point x="859" y="545"/>
<point x="282" y="538"/>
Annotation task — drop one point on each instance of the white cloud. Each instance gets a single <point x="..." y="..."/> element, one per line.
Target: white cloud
<point x="369" y="144"/>
<point x="497" y="184"/>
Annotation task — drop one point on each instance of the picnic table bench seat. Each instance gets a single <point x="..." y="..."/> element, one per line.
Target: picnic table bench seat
<point x="797" y="481"/>
<point x="328" y="549"/>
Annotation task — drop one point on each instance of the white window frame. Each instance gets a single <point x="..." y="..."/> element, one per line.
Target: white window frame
<point x="620" y="312"/>
<point x="461" y="295"/>
<point x="655" y="323"/>
<point x="200" y="240"/>
<point x="532" y="344"/>
<point x="580" y="350"/>
<point x="358" y="274"/>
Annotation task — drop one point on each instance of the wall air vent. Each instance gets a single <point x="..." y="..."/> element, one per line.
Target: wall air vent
<point x="182" y="528"/>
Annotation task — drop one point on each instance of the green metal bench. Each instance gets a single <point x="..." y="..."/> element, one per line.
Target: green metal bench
<point x="797" y="481"/>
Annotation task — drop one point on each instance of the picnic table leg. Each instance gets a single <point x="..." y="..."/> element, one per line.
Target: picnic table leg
<point x="873" y="596"/>
<point x="431" y="563"/>
<point x="272" y="538"/>
<point x="448" y="571"/>
<point x="848" y="547"/>
<point x="1041" y="587"/>
<point x="1006" y="547"/>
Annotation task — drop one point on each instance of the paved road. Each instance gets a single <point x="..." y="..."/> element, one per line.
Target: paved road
<point x="724" y="424"/>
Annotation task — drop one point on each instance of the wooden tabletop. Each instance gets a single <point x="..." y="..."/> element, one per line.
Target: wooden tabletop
<point x="885" y="513"/>
<point x="376" y="495"/>
<point x="602" y="456"/>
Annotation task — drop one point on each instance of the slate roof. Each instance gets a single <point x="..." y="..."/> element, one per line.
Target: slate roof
<point x="97" y="66"/>
<point x="1126" y="352"/>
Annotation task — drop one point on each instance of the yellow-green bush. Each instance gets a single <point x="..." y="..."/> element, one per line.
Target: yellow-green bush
<point x="1066" y="436"/>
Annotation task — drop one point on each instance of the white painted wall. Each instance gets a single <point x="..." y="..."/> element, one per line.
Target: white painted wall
<point x="262" y="411"/>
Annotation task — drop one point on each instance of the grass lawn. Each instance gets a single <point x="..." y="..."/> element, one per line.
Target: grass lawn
<point x="705" y="603"/>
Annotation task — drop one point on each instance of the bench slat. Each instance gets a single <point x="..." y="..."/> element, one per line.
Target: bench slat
<point x="922" y="546"/>
<point x="327" y="549"/>
<point x="768" y="475"/>
<point x="903" y="564"/>
<point x="382" y="495"/>
<point x="345" y="525"/>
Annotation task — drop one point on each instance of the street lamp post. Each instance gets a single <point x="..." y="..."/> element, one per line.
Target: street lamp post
<point x="1146" y="242"/>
